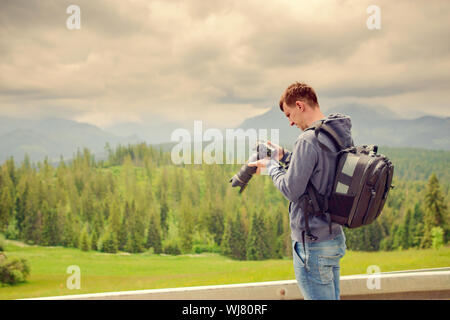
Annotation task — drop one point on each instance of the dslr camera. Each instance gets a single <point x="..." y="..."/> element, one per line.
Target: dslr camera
<point x="241" y="179"/>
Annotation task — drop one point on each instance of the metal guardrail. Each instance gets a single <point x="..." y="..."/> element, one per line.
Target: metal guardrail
<point x="410" y="284"/>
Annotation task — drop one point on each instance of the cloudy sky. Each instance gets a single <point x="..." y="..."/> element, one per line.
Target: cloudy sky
<point x="218" y="61"/>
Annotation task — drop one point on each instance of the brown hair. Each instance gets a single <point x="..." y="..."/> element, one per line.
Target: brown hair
<point x="298" y="91"/>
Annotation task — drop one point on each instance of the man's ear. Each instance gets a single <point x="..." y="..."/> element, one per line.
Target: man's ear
<point x="300" y="105"/>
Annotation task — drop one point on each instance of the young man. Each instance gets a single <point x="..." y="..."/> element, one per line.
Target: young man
<point x="316" y="261"/>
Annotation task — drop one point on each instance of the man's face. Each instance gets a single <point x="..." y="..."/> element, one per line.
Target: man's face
<point x="294" y="114"/>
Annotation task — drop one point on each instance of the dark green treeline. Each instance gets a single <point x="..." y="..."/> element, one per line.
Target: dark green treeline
<point x="137" y="200"/>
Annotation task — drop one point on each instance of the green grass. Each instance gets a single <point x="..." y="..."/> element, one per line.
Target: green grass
<point x="101" y="272"/>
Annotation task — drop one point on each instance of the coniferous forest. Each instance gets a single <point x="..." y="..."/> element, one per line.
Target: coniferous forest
<point x="137" y="200"/>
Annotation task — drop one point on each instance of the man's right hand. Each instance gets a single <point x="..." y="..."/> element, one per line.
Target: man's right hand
<point x="279" y="151"/>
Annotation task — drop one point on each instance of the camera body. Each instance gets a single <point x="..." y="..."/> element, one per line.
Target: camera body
<point x="241" y="179"/>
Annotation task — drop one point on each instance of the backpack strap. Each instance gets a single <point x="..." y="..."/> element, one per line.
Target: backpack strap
<point x="317" y="209"/>
<point x="306" y="206"/>
<point x="329" y="131"/>
<point x="311" y="190"/>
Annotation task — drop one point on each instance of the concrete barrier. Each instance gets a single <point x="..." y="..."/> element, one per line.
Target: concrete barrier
<point x="411" y="284"/>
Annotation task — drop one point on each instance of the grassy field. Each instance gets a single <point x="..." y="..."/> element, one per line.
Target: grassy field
<point x="102" y="272"/>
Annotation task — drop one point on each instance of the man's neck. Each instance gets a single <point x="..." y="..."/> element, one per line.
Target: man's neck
<point x="317" y="116"/>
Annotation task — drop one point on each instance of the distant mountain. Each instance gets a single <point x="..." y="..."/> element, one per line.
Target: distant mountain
<point x="153" y="132"/>
<point x="53" y="137"/>
<point x="370" y="125"/>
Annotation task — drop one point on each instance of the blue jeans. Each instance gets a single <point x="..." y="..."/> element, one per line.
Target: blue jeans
<point x="316" y="267"/>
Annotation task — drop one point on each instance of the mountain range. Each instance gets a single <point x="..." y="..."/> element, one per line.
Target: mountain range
<point x="370" y="125"/>
<point x="56" y="137"/>
<point x="53" y="138"/>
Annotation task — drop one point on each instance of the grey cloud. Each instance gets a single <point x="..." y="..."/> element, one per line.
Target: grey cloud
<point x="99" y="16"/>
<point x="418" y="31"/>
<point x="32" y="14"/>
<point x="300" y="46"/>
<point x="154" y="57"/>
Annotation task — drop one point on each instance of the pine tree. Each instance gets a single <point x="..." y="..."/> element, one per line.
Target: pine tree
<point x="26" y="166"/>
<point x="178" y="184"/>
<point x="61" y="172"/>
<point x="114" y="220"/>
<point x="32" y="224"/>
<point x="164" y="212"/>
<point x="50" y="232"/>
<point x="76" y="227"/>
<point x="136" y="231"/>
<point x="85" y="244"/>
<point x="186" y="224"/>
<point x="375" y="234"/>
<point x="108" y="241"/>
<point x="233" y="242"/>
<point x="68" y="233"/>
<point x="274" y="224"/>
<point x="105" y="211"/>
<point x="6" y="208"/>
<point x="87" y="205"/>
<point x="226" y="244"/>
<point x="11" y="170"/>
<point x="435" y="203"/>
<point x="12" y="232"/>
<point x="239" y="238"/>
<point x="193" y="189"/>
<point x="124" y="232"/>
<point x="398" y="237"/>
<point x="93" y="240"/>
<point x="257" y="246"/>
<point x="7" y="195"/>
<point x="406" y="239"/>
<point x="154" y="235"/>
<point x="437" y="236"/>
<point x="435" y="211"/>
<point x="416" y="226"/>
<point x="98" y="223"/>
<point x="216" y="221"/>
<point x="163" y="184"/>
<point x="128" y="178"/>
<point x="21" y="201"/>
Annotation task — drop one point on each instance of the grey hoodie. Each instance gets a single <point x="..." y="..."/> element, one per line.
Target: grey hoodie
<point x="309" y="161"/>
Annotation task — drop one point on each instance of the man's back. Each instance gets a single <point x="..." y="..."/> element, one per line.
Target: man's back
<point x="309" y="162"/>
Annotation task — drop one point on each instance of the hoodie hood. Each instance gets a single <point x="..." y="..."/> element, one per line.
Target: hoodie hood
<point x="342" y="125"/>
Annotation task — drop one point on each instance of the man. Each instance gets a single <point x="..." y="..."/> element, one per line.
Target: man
<point x="316" y="261"/>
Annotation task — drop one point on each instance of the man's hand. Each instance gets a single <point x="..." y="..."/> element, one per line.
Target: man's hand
<point x="261" y="164"/>
<point x="279" y="151"/>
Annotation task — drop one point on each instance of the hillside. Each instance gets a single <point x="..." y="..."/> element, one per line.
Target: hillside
<point x="369" y="126"/>
<point x="52" y="138"/>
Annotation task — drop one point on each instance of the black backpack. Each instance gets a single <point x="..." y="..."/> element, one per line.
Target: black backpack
<point x="361" y="185"/>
